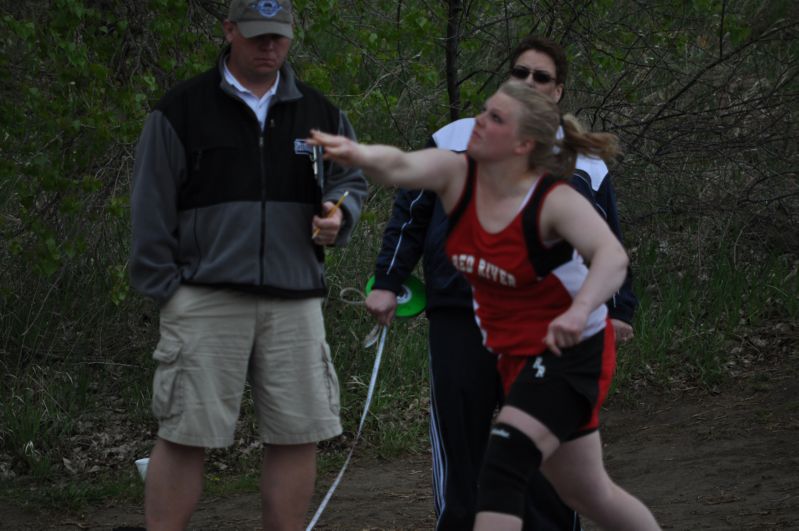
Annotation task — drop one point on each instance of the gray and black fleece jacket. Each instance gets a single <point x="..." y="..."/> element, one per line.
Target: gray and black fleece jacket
<point x="218" y="201"/>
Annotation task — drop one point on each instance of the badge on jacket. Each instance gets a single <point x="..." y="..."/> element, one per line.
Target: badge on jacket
<point x="301" y="147"/>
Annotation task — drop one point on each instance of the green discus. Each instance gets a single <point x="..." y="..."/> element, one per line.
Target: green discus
<point x="411" y="300"/>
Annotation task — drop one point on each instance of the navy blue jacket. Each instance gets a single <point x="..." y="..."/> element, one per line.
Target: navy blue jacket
<point x="418" y="229"/>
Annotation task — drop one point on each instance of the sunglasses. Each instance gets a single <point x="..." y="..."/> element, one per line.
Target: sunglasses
<point x="539" y="76"/>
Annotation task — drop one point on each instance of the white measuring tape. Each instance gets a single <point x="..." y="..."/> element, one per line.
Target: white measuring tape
<point x="372" y="382"/>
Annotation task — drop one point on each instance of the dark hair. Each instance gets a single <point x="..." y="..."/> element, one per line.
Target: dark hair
<point x="548" y="46"/>
<point x="540" y="120"/>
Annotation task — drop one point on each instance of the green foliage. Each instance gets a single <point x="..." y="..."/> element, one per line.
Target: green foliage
<point x="373" y="58"/>
<point x="77" y="494"/>
<point x="703" y="95"/>
<point x="75" y="72"/>
<point x="398" y="416"/>
<point x="37" y="412"/>
<point x="78" y="79"/>
<point x="701" y="306"/>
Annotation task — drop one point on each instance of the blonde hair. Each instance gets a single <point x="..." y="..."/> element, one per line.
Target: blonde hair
<point x="540" y="120"/>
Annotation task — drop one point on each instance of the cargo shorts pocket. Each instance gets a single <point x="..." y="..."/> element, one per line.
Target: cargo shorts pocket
<point x="167" y="391"/>
<point x="331" y="380"/>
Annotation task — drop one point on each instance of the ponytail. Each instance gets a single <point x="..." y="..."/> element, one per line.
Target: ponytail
<point x="577" y="141"/>
<point x="540" y="120"/>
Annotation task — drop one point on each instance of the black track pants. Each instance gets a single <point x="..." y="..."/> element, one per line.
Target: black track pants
<point x="465" y="392"/>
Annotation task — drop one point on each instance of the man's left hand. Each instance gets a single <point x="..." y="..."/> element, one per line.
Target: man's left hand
<point x="328" y="226"/>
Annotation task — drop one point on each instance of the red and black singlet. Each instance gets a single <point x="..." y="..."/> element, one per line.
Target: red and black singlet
<point x="519" y="283"/>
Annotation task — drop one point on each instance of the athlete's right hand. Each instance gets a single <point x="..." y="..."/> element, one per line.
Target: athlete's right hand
<point x="382" y="303"/>
<point x="338" y="148"/>
<point x="565" y="330"/>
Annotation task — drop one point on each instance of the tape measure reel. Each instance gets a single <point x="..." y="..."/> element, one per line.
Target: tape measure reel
<point x="411" y="301"/>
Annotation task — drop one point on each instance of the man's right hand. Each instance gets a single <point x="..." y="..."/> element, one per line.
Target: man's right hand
<point x="382" y="303"/>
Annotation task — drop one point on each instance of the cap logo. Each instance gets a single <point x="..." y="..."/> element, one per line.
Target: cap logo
<point x="267" y="8"/>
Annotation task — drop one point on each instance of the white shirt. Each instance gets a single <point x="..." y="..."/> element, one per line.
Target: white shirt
<point x="258" y="105"/>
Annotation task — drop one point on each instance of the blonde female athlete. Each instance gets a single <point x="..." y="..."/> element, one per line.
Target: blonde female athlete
<point x="519" y="235"/>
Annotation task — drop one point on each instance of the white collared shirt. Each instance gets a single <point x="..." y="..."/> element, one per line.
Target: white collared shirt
<point x="258" y="105"/>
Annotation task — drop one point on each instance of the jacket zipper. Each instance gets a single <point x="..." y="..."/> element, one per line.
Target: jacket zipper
<point x="263" y="206"/>
<point x="261" y="135"/>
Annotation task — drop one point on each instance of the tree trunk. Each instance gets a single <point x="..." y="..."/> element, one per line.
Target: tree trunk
<point x="454" y="10"/>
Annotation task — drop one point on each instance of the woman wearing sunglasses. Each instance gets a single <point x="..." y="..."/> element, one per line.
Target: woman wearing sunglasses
<point x="523" y="73"/>
<point x="518" y="234"/>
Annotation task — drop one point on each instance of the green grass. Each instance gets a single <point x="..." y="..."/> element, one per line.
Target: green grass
<point x="74" y="494"/>
<point x="693" y="316"/>
<point x="230" y="484"/>
<point x="37" y="412"/>
<point x="397" y="417"/>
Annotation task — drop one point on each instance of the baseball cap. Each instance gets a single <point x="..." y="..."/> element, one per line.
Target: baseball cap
<point x="258" y="17"/>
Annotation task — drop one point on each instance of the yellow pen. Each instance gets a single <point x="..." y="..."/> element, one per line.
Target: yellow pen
<point x="332" y="211"/>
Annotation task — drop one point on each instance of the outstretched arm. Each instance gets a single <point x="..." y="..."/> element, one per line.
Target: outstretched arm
<point x="440" y="171"/>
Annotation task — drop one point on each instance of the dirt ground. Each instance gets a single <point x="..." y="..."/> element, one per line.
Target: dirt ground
<point x="726" y="460"/>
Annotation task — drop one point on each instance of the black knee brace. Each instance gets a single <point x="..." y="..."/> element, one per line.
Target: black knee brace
<point x="510" y="460"/>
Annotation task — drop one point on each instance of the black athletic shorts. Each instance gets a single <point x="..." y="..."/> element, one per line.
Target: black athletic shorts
<point x="563" y="392"/>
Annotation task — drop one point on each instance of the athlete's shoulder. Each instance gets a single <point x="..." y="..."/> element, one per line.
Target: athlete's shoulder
<point x="455" y="135"/>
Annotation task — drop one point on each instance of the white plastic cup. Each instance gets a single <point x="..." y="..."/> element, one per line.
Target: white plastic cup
<point x="141" y="466"/>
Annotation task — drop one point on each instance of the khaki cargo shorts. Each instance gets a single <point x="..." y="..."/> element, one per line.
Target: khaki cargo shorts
<point x="214" y="340"/>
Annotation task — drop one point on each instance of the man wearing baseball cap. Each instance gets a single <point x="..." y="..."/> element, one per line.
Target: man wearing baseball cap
<point x="230" y="219"/>
<point x="262" y="18"/>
